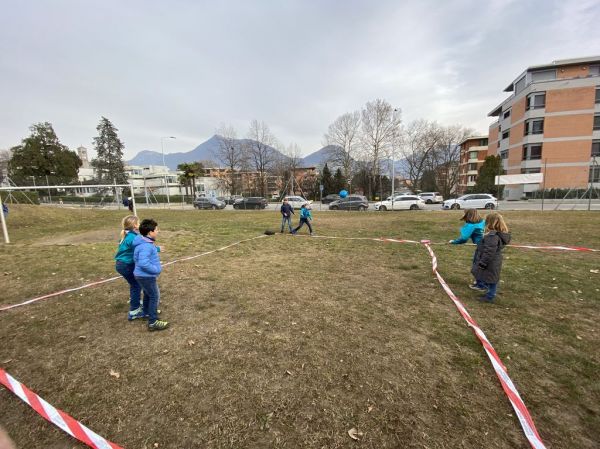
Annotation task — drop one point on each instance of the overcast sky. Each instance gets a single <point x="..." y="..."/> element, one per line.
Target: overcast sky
<point x="183" y="67"/>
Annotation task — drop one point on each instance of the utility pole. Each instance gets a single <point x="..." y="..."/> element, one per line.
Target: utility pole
<point x="592" y="174"/>
<point x="544" y="183"/>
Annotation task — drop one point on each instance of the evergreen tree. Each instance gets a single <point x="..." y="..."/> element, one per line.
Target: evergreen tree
<point x="327" y="181"/>
<point x="40" y="155"/>
<point x="492" y="167"/>
<point x="339" y="181"/>
<point x="109" y="151"/>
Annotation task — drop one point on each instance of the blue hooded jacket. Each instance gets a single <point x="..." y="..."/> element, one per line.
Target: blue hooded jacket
<point x="305" y="213"/>
<point x="145" y="256"/>
<point x="473" y="231"/>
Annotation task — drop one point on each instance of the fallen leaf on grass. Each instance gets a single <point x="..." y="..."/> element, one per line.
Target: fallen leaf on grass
<point x="591" y="271"/>
<point x="288" y="372"/>
<point x="370" y="408"/>
<point x="6" y="362"/>
<point x="114" y="374"/>
<point x="355" y="434"/>
<point x="191" y="342"/>
<point x="82" y="337"/>
<point x="578" y="337"/>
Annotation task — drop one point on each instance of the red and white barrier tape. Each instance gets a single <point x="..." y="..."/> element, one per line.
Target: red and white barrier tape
<point x="506" y="382"/>
<point x="559" y="248"/>
<point x="103" y="281"/>
<point x="54" y="415"/>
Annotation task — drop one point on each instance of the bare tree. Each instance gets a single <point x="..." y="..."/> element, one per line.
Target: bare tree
<point x="419" y="141"/>
<point x="380" y="124"/>
<point x="445" y="158"/>
<point x="229" y="154"/>
<point x="290" y="163"/>
<point x="259" y="149"/>
<point x="343" y="136"/>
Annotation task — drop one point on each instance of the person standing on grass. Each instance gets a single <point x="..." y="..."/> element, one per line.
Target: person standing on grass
<point x="472" y="229"/>
<point x="147" y="270"/>
<point x="125" y="265"/>
<point x="487" y="262"/>
<point x="305" y="218"/>
<point x="286" y="215"/>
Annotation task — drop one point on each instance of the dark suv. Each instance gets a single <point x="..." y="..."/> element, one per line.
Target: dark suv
<point x="330" y="198"/>
<point x="253" y="202"/>
<point x="352" y="202"/>
<point x="205" y="202"/>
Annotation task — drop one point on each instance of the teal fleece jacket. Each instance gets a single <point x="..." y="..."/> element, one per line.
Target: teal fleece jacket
<point x="125" y="251"/>
<point x="305" y="213"/>
<point x="473" y="231"/>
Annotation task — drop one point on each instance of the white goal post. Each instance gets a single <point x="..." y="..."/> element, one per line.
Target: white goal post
<point x="9" y="189"/>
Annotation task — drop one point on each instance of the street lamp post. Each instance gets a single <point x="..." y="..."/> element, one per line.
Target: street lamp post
<point x="396" y="111"/>
<point x="162" y="150"/>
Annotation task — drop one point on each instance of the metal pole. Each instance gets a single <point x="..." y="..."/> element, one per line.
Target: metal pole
<point x="133" y="199"/>
<point x="48" y="184"/>
<point x="544" y="183"/>
<point x="592" y="173"/>
<point x="2" y="219"/>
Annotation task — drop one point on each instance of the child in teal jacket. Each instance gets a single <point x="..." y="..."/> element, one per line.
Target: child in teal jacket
<point x="472" y="229"/>
<point x="125" y="265"/>
<point x="305" y="218"/>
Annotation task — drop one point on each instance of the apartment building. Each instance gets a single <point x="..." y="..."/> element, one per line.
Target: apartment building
<point x="551" y="124"/>
<point x="473" y="151"/>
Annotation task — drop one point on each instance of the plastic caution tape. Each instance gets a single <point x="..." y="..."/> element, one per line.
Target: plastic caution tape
<point x="507" y="384"/>
<point x="54" y="415"/>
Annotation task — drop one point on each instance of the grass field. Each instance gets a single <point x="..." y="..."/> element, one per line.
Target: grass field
<point x="289" y="342"/>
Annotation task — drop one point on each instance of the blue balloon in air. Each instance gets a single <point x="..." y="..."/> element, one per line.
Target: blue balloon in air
<point x="343" y="193"/>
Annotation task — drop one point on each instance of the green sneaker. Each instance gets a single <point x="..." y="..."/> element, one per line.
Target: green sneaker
<point x="158" y="325"/>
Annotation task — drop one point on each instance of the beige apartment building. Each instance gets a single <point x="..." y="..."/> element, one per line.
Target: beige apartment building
<point x="551" y="124"/>
<point x="473" y="151"/>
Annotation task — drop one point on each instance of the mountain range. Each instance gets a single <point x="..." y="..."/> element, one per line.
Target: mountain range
<point x="206" y="151"/>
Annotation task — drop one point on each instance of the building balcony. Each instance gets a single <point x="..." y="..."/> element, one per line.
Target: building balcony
<point x="470" y="183"/>
<point x="472" y="172"/>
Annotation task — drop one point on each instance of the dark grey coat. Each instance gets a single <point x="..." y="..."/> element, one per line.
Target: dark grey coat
<point x="487" y="263"/>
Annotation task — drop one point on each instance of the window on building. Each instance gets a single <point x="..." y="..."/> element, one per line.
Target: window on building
<point x="596" y="121"/>
<point x="535" y="126"/>
<point x="597" y="96"/>
<point x="594" y="174"/>
<point x="498" y="144"/>
<point x="504" y="154"/>
<point x="472" y="178"/>
<point x="595" y="70"/>
<point x="483" y="142"/>
<point x="536" y="100"/>
<point x="519" y="85"/>
<point x="526" y="171"/>
<point x="506" y="134"/>
<point x="472" y="166"/>
<point x="473" y="155"/>
<point x="543" y="75"/>
<point x="595" y="148"/>
<point x="532" y="152"/>
<point x="506" y="114"/>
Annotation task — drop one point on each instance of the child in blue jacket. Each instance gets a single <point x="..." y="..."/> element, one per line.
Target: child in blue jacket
<point x="472" y="229"/>
<point x="125" y="266"/>
<point x="147" y="270"/>
<point x="305" y="218"/>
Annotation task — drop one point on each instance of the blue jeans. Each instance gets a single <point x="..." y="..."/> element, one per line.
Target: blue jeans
<point x="135" y="291"/>
<point x="491" y="289"/>
<point x="151" y="297"/>
<point x="303" y="221"/>
<point x="285" y="220"/>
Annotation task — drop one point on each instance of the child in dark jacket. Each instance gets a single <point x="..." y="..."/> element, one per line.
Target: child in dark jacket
<point x="305" y="218"/>
<point x="147" y="269"/>
<point x="125" y="265"/>
<point x="487" y="263"/>
<point x="286" y="215"/>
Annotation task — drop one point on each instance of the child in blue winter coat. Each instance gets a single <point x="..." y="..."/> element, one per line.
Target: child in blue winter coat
<point x="305" y="218"/>
<point x="125" y="266"/>
<point x="472" y="229"/>
<point x="147" y="270"/>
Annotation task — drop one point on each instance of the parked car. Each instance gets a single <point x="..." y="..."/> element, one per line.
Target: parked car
<point x="231" y="199"/>
<point x="401" y="202"/>
<point x="296" y="201"/>
<point x="351" y="202"/>
<point x="472" y="201"/>
<point x="206" y="202"/>
<point x="432" y="197"/>
<point x="252" y="202"/>
<point x="330" y="198"/>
